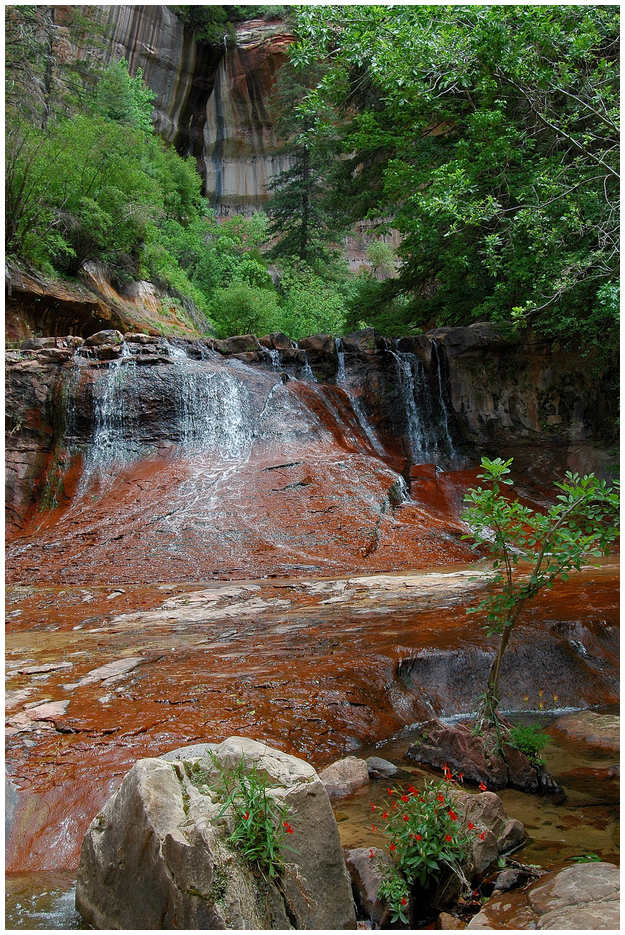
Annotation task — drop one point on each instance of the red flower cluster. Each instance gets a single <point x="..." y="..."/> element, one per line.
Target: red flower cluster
<point x="452" y="815"/>
<point x="482" y="787"/>
<point x="288" y="828"/>
<point x="404" y="901"/>
<point x="246" y="816"/>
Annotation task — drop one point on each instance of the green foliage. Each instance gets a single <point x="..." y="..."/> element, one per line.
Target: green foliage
<point x="243" y="309"/>
<point x="261" y="824"/>
<point x="585" y="859"/>
<point x="488" y="137"/>
<point x="311" y="303"/>
<point x="582" y="523"/>
<point x="211" y="23"/>
<point x="426" y="838"/>
<point x="123" y="98"/>
<point x="530" y="740"/>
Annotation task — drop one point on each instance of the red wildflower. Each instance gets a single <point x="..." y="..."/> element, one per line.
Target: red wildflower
<point x="372" y="806"/>
<point x="384" y="814"/>
<point x="453" y="815"/>
<point x="412" y="789"/>
<point x="393" y="847"/>
<point x="417" y="837"/>
<point x="371" y="853"/>
<point x="470" y="826"/>
<point x="405" y="817"/>
<point x="482" y="835"/>
<point x="461" y="777"/>
<point x="394" y="805"/>
<point x="373" y="828"/>
<point x="475" y="893"/>
<point x="448" y="837"/>
<point x="390" y="791"/>
<point x="440" y="798"/>
<point x="246" y="816"/>
<point x="483" y="788"/>
<point x="286" y="824"/>
<point x="404" y="901"/>
<point x="405" y="798"/>
<point x="289" y="830"/>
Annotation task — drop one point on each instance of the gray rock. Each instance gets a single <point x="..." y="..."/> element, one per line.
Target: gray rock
<point x="367" y="866"/>
<point x="380" y="768"/>
<point x="101" y="338"/>
<point x="585" y="896"/>
<point x="191" y="752"/>
<point x="345" y="776"/>
<point x="512" y="836"/>
<point x="509" y="879"/>
<point x="157" y="856"/>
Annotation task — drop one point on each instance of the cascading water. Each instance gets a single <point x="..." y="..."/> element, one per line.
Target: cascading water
<point x="427" y="419"/>
<point x="114" y="440"/>
<point x="442" y="402"/>
<point x="213" y="409"/>
<point x="274" y="356"/>
<point x="361" y="416"/>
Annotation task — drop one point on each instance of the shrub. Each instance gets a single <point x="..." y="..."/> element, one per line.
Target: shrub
<point x="426" y="836"/>
<point x="244" y="309"/>
<point x="530" y="740"/>
<point x="261" y="824"/>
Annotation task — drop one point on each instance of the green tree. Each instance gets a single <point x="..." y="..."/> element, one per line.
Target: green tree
<point x="300" y="219"/>
<point x="488" y="136"/>
<point x="547" y="547"/>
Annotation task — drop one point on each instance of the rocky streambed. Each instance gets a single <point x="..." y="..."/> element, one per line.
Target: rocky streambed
<point x="99" y="677"/>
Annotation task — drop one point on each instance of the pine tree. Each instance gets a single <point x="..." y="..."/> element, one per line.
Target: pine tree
<point x="300" y="217"/>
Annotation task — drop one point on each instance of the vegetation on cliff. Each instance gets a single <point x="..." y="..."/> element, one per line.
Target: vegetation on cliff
<point x="486" y="137"/>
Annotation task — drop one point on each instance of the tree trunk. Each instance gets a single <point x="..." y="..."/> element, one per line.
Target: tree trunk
<point x="488" y="712"/>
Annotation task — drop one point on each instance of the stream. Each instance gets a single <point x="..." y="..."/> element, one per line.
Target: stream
<point x="587" y="823"/>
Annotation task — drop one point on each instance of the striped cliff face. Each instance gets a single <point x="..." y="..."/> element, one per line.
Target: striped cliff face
<point x="212" y="102"/>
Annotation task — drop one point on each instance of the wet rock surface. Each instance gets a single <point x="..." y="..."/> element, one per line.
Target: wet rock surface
<point x="582" y="897"/>
<point x="589" y="729"/>
<point x="300" y="691"/>
<point x="165" y="820"/>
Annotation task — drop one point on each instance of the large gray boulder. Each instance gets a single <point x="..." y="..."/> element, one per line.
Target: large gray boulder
<point x="157" y="856"/>
<point x="582" y="897"/>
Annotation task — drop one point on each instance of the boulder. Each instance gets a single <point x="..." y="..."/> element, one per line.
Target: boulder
<point x="102" y="338"/>
<point x="585" y="896"/>
<point x="345" y="776"/>
<point x="237" y="344"/>
<point x="367" y="867"/>
<point x="476" y="756"/>
<point x="447" y="921"/>
<point x="158" y="855"/>
<point x="35" y="344"/>
<point x="276" y="340"/>
<point x="380" y="769"/>
<point x="318" y="344"/>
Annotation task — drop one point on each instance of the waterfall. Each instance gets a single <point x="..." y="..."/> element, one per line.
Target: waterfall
<point x="113" y="440"/>
<point x="427" y="420"/>
<point x="359" y="412"/>
<point x="274" y="356"/>
<point x="442" y="402"/>
<point x="307" y="372"/>
<point x="213" y="409"/>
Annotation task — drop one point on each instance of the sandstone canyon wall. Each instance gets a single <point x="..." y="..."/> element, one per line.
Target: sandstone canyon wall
<point x="212" y="103"/>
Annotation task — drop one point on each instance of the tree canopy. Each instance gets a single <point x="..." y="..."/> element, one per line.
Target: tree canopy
<point x="488" y="137"/>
